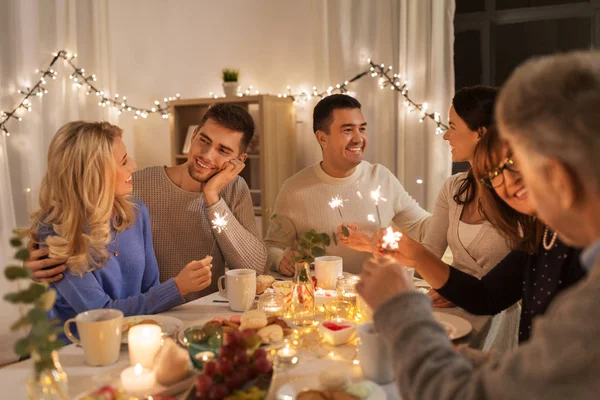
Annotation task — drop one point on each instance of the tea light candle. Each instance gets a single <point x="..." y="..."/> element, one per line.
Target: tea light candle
<point x="138" y="380"/>
<point x="272" y="304"/>
<point x="144" y="343"/>
<point x="205" y="356"/>
<point x="287" y="355"/>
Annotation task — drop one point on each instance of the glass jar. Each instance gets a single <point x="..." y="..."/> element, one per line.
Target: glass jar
<point x="346" y="300"/>
<point x="272" y="304"/>
<point x="303" y="296"/>
<point x="51" y="383"/>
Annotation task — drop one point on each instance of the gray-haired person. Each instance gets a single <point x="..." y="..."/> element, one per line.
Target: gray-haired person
<point x="549" y="111"/>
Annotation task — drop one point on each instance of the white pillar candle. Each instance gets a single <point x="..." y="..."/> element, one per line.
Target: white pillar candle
<point x="144" y="341"/>
<point x="138" y="380"/>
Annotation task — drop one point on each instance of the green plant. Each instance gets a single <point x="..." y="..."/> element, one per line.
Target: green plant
<point x="311" y="245"/>
<point x="230" y="75"/>
<point x="34" y="303"/>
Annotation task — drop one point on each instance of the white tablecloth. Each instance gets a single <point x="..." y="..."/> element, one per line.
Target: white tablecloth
<point x="82" y="378"/>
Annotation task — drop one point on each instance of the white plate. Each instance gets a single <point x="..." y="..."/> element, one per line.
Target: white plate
<point x="169" y="324"/>
<point x="290" y="390"/>
<point x="457" y="327"/>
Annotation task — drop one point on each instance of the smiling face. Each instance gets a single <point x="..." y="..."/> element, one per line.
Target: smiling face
<point x="124" y="166"/>
<point x="346" y="140"/>
<point x="462" y="140"/>
<point x="212" y="146"/>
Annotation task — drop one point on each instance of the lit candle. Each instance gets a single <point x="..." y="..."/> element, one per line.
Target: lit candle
<point x="144" y="342"/>
<point x="205" y="356"/>
<point x="138" y="380"/>
<point x="287" y="355"/>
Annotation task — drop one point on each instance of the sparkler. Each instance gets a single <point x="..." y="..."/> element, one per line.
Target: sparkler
<point x="391" y="239"/>
<point x="376" y="196"/>
<point x="218" y="224"/>
<point x="336" y="203"/>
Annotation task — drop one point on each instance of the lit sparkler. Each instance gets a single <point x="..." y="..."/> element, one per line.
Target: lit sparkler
<point x="218" y="224"/>
<point x="336" y="203"/>
<point x="376" y="196"/>
<point x="391" y="239"/>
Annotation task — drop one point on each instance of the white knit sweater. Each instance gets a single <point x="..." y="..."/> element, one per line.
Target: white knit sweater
<point x="302" y="204"/>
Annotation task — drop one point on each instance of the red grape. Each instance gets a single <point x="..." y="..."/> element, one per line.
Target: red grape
<point x="226" y="351"/>
<point x="218" y="392"/>
<point x="242" y="373"/>
<point x="231" y="382"/>
<point x="210" y="368"/>
<point x="241" y="358"/>
<point x="203" y="384"/>
<point x="262" y="365"/>
<point x="233" y="339"/>
<point x="250" y="338"/>
<point x="224" y="366"/>
<point x="252" y="373"/>
<point x="260" y="353"/>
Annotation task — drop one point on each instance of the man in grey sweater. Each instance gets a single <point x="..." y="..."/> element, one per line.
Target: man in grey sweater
<point x="548" y="111"/>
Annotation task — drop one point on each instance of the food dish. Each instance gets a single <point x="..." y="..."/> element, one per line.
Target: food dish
<point x="456" y="327"/>
<point x="309" y="388"/>
<point x="168" y="324"/>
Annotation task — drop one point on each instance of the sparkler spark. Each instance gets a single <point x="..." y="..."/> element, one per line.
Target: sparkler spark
<point x="219" y="223"/>
<point x="391" y="238"/>
<point x="371" y="218"/>
<point x="376" y="195"/>
<point x="359" y="194"/>
<point x="336" y="202"/>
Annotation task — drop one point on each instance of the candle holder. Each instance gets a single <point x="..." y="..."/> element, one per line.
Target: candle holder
<point x="286" y="356"/>
<point x="347" y="294"/>
<point x="138" y="380"/>
<point x="272" y="304"/>
<point x="203" y="341"/>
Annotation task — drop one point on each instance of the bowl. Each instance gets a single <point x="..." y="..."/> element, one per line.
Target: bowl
<point x="337" y="331"/>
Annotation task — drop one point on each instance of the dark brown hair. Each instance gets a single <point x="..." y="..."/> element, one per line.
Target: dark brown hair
<point x="234" y="117"/>
<point x="322" y="117"/>
<point x="475" y="106"/>
<point x="522" y="232"/>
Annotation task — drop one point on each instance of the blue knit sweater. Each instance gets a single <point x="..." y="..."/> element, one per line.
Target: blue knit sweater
<point x="127" y="282"/>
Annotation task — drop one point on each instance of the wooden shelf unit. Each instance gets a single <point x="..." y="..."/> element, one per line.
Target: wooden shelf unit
<point x="271" y="154"/>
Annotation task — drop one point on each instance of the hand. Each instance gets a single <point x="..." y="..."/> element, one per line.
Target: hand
<point x="287" y="266"/>
<point x="229" y="171"/>
<point x="36" y="264"/>
<point x="408" y="253"/>
<point x="477" y="357"/>
<point x="381" y="279"/>
<point x="195" y="276"/>
<point x="359" y="239"/>
<point x="439" y="301"/>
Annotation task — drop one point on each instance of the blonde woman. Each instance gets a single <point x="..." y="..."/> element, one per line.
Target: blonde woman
<point x="88" y="220"/>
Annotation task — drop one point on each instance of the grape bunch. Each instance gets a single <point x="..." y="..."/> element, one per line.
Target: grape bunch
<point x="235" y="365"/>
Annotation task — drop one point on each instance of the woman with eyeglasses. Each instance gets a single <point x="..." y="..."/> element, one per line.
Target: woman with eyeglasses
<point x="540" y="265"/>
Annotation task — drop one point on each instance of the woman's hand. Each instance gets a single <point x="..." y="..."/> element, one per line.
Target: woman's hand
<point x="359" y="238"/>
<point x="195" y="276"/>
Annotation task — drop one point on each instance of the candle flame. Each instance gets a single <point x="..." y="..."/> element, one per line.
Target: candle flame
<point x="138" y="369"/>
<point x="391" y="238"/>
<point x="219" y="223"/>
<point x="376" y="195"/>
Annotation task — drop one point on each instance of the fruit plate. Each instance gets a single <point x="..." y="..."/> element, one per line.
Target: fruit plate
<point x="169" y="325"/>
<point x="262" y="383"/>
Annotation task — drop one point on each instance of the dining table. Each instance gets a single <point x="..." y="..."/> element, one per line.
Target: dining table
<point x="83" y="378"/>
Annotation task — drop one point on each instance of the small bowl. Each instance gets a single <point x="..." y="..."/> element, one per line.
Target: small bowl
<point x="346" y="331"/>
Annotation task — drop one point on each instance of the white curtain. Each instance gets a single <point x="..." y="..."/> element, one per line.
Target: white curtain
<point x="30" y="31"/>
<point x="416" y="38"/>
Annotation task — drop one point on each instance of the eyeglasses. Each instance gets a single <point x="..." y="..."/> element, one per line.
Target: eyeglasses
<point x="495" y="177"/>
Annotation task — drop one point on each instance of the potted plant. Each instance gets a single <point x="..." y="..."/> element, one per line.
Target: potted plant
<point x="230" y="82"/>
<point x="49" y="381"/>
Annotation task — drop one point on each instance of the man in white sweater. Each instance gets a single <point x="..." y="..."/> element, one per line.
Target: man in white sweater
<point x="303" y="202"/>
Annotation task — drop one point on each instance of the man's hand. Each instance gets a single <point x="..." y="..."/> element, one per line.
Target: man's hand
<point x="408" y="253"/>
<point x="195" y="276"/>
<point x="359" y="238"/>
<point x="229" y="171"/>
<point x="287" y="266"/>
<point x="439" y="301"/>
<point x="382" y="279"/>
<point x="38" y="260"/>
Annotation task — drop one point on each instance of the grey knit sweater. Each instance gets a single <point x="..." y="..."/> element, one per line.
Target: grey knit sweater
<point x="561" y="360"/>
<point x="182" y="229"/>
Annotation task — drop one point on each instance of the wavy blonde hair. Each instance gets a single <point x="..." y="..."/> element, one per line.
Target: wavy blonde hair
<point x="77" y="196"/>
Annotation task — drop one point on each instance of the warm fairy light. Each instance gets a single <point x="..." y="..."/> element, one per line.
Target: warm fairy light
<point x="219" y="223"/>
<point x="391" y="238"/>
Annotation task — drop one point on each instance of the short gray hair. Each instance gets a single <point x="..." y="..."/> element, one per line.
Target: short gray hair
<point x="552" y="103"/>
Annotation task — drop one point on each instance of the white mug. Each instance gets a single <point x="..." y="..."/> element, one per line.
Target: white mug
<point x="240" y="288"/>
<point x="99" y="335"/>
<point x="374" y="355"/>
<point x="327" y="270"/>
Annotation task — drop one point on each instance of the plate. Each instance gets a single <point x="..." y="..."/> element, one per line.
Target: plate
<point x="169" y="324"/>
<point x="456" y="327"/>
<point x="290" y="390"/>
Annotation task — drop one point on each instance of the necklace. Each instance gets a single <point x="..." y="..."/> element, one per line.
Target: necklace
<point x="116" y="241"/>
<point x="546" y="245"/>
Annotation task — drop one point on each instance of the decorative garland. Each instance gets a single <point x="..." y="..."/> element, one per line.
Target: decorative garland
<point x="81" y="79"/>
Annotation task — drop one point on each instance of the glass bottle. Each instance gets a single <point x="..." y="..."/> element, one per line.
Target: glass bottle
<point x="303" y="296"/>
